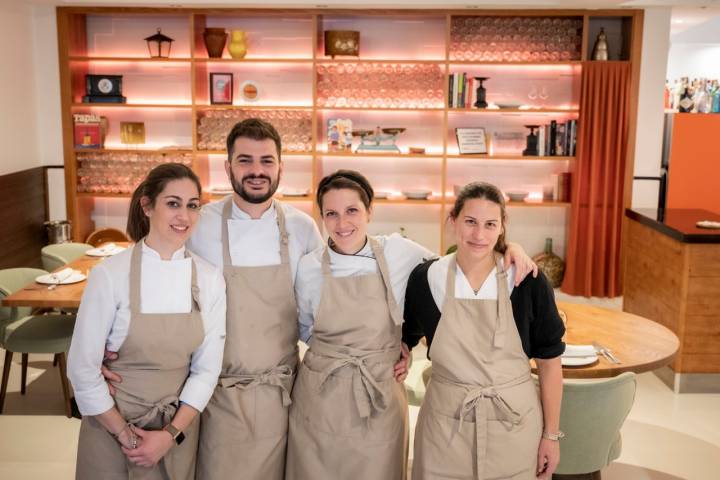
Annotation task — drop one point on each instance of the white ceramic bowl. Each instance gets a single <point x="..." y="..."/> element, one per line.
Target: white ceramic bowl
<point x="516" y="195"/>
<point x="417" y="194"/>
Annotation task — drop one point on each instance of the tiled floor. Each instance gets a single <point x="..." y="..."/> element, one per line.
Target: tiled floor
<point x="666" y="436"/>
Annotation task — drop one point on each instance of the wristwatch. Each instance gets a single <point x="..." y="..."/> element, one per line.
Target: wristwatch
<point x="553" y="436"/>
<point x="176" y="434"/>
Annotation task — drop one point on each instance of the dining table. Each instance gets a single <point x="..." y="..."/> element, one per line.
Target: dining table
<point x="38" y="295"/>
<point x="638" y="343"/>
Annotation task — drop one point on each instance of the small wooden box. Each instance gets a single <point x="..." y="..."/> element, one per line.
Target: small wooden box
<point x="342" y="42"/>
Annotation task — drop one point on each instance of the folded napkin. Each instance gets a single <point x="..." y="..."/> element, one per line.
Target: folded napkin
<point x="579" y="351"/>
<point x="62" y="275"/>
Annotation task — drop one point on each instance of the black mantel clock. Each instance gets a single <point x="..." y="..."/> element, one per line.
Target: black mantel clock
<point x="103" y="89"/>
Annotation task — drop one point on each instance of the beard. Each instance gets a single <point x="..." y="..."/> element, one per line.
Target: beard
<point x="251" y="197"/>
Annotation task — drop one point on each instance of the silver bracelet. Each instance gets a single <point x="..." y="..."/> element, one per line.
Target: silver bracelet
<point x="553" y="436"/>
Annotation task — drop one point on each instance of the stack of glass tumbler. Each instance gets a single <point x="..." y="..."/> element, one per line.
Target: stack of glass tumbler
<point x="380" y="85"/>
<point x="294" y="127"/>
<point x="515" y="39"/>
<point x="120" y="172"/>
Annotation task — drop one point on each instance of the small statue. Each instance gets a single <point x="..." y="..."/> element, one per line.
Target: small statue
<point x="600" y="50"/>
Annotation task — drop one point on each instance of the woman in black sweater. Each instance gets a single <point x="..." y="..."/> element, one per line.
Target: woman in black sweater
<point x="482" y="416"/>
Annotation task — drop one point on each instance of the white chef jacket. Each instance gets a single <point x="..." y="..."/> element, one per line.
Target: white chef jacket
<point x="401" y="256"/>
<point x="103" y="321"/>
<point x="437" y="279"/>
<point x="253" y="242"/>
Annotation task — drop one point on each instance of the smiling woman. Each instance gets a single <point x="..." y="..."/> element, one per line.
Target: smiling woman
<point x="162" y="310"/>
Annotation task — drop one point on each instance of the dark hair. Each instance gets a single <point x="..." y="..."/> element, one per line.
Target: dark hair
<point x="350" y="179"/>
<point x="254" y="129"/>
<point x="138" y="224"/>
<point x="488" y="192"/>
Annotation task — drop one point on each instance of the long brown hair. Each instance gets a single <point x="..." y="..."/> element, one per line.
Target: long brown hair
<point x="490" y="193"/>
<point x="138" y="224"/>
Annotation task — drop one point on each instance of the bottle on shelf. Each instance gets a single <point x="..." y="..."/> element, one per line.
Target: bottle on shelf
<point x="686" y="103"/>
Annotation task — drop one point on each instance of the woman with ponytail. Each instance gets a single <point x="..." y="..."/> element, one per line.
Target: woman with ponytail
<point x="163" y="309"/>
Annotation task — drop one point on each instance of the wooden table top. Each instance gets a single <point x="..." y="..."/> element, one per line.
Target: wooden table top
<point x="37" y="295"/>
<point x="640" y="344"/>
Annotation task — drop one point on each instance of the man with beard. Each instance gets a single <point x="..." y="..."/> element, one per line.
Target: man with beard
<point x="258" y="241"/>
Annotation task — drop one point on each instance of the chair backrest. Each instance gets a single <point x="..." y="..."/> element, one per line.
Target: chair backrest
<point x="56" y="255"/>
<point x="591" y="416"/>
<point x="12" y="280"/>
<point x="105" y="235"/>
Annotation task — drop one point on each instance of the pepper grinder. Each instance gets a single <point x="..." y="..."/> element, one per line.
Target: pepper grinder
<point x="480" y="102"/>
<point x="531" y="149"/>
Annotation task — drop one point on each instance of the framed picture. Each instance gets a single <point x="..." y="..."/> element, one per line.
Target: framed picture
<point x="471" y="140"/>
<point x="250" y="91"/>
<point x="221" y="88"/>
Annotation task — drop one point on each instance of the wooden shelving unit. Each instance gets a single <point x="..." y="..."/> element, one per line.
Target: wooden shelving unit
<point x="300" y="50"/>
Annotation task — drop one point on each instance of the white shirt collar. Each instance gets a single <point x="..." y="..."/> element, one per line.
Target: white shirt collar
<point x="365" y="252"/>
<point x="179" y="254"/>
<point x="240" y="214"/>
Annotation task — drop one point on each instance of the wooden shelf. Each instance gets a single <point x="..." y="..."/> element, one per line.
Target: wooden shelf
<point x="537" y="204"/>
<point x="378" y="155"/>
<point x="383" y="109"/>
<point x="132" y="105"/>
<point x="251" y="106"/>
<point x="130" y="59"/>
<point x="307" y="61"/>
<point x="529" y="111"/>
<point x="379" y="60"/>
<point x="283" y="198"/>
<point x="510" y="157"/>
<point x="408" y="201"/>
<point x="103" y="195"/>
<point x="512" y="64"/>
<point x="143" y="151"/>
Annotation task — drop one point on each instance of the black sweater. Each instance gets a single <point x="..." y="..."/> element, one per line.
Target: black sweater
<point x="533" y="302"/>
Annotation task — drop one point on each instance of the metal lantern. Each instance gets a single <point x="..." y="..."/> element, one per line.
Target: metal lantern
<point x="159" y="45"/>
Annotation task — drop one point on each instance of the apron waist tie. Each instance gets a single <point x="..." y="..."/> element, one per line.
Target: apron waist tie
<point x="368" y="394"/>
<point x="473" y="402"/>
<point x="280" y="376"/>
<point x="166" y="408"/>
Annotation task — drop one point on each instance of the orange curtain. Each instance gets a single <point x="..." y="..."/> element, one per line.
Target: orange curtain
<point x="593" y="254"/>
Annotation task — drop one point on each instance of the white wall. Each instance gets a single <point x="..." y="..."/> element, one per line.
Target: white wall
<point x="648" y="146"/>
<point x="18" y="106"/>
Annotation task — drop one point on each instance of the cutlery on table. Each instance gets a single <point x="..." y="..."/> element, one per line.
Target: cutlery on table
<point x="606" y="352"/>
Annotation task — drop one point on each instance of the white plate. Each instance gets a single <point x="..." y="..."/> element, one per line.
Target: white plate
<point x="417" y="194"/>
<point x="578" y="361"/>
<point x="104" y="251"/>
<point x="382" y="195"/>
<point x="48" y="279"/>
<point x="221" y="191"/>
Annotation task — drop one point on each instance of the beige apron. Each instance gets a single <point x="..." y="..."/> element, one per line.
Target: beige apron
<point x="481" y="418"/>
<point x="348" y="419"/>
<point x="244" y="426"/>
<point x="154" y="362"/>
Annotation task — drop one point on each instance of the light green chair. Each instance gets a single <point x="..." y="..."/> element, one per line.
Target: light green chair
<point x="593" y="411"/>
<point x="56" y="255"/>
<point x="21" y="331"/>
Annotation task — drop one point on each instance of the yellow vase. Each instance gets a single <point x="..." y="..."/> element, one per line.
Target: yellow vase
<point x="238" y="44"/>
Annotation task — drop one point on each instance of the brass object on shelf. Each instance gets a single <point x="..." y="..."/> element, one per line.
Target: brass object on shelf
<point x="550" y="264"/>
<point x="600" y="50"/>
<point x="342" y="42"/>
<point x="132" y="133"/>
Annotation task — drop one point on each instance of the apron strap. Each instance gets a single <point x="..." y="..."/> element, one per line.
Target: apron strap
<point x="284" y="237"/>
<point x="504" y="307"/>
<point x="226" y="214"/>
<point x="194" y="289"/>
<point x="368" y="394"/>
<point x="280" y="376"/>
<point x="135" y="276"/>
<point x="385" y="274"/>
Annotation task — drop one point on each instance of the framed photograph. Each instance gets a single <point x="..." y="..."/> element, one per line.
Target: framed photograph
<point x="471" y="140"/>
<point x="221" y="88"/>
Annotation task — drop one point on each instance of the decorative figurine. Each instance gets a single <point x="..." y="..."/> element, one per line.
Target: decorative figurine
<point x="600" y="50"/>
<point x="480" y="102"/>
<point x="531" y="148"/>
<point x="159" y="45"/>
<point x="378" y="140"/>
